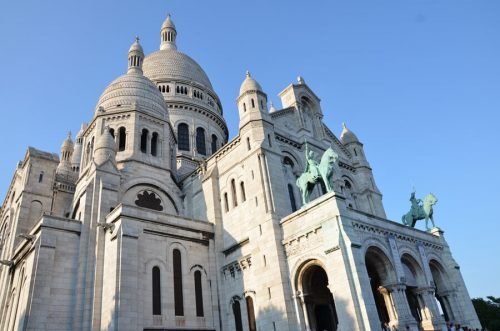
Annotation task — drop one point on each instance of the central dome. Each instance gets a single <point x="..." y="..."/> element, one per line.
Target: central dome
<point x="167" y="64"/>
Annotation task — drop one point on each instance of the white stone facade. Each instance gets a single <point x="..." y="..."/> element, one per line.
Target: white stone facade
<point x="153" y="220"/>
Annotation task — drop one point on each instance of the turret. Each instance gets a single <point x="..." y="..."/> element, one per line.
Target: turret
<point x="354" y="146"/>
<point x="105" y="148"/>
<point x="64" y="167"/>
<point x="369" y="197"/>
<point x="135" y="57"/>
<point x="168" y="34"/>
<point x="252" y="101"/>
<point x="77" y="151"/>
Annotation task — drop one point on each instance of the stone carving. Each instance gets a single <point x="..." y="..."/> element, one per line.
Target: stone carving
<point x="149" y="200"/>
<point x="420" y="210"/>
<point x="315" y="172"/>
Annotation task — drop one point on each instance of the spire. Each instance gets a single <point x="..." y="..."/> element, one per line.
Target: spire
<point x="135" y="57"/>
<point x="168" y="33"/>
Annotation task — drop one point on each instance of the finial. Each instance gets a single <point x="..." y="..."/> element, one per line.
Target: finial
<point x="344" y="126"/>
<point x="168" y="15"/>
<point x="301" y="80"/>
<point x="248" y="74"/>
<point x="137" y="39"/>
<point x="69" y="134"/>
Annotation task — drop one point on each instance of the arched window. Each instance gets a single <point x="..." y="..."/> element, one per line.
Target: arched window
<point x="243" y="195"/>
<point x="178" y="298"/>
<point x="198" y="293"/>
<point x="261" y="104"/>
<point x="40" y="177"/>
<point x="168" y="88"/>
<point x="154" y="144"/>
<point x="226" y="203"/>
<point x="122" y="137"/>
<point x="253" y="104"/>
<point x="112" y="132"/>
<point x="177" y="89"/>
<point x="200" y="141"/>
<point x="156" y="291"/>
<point x="214" y="144"/>
<point x="233" y="193"/>
<point x="144" y="140"/>
<point x="237" y="316"/>
<point x="251" y="314"/>
<point x="183" y="137"/>
<point x="291" y="195"/>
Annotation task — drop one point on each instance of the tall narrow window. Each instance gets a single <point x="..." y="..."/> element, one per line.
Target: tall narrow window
<point x="178" y="298"/>
<point x="244" y="106"/>
<point x="144" y="140"/>
<point x="237" y="316"/>
<point x="233" y="193"/>
<point x="291" y="195"/>
<point x="214" y="144"/>
<point x="112" y="132"/>
<point x="253" y="104"/>
<point x="226" y="203"/>
<point x="122" y="137"/>
<point x="40" y="177"/>
<point x="183" y="136"/>
<point x="251" y="314"/>
<point x="156" y="291"/>
<point x="154" y="144"/>
<point x="200" y="141"/>
<point x="243" y="195"/>
<point x="198" y="293"/>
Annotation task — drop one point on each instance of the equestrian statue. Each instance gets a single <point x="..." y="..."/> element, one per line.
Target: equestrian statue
<point x="420" y="210"/>
<point x="314" y="172"/>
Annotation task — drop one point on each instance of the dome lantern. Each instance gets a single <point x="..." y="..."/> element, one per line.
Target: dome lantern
<point x="168" y="33"/>
<point x="135" y="57"/>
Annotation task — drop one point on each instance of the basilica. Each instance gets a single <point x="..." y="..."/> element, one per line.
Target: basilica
<point x="153" y="218"/>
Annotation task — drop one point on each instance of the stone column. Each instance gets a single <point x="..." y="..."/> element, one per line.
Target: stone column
<point x="301" y="298"/>
<point x="404" y="319"/>
<point x="431" y="319"/>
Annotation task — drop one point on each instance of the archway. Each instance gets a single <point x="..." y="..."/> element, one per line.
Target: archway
<point x="380" y="272"/>
<point x="413" y="281"/>
<point x="442" y="292"/>
<point x="317" y="300"/>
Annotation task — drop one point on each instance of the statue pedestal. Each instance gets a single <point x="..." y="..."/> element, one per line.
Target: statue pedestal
<point x="436" y="231"/>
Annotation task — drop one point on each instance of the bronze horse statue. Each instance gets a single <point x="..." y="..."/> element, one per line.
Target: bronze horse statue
<point x="315" y="172"/>
<point x="420" y="211"/>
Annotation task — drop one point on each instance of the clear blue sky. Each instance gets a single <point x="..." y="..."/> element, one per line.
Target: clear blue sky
<point x="417" y="81"/>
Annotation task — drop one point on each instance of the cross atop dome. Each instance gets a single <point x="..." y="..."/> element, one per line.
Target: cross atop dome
<point x="168" y="33"/>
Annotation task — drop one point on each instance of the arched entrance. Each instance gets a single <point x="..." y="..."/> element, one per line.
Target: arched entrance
<point x="317" y="301"/>
<point x="443" y="293"/>
<point x="380" y="272"/>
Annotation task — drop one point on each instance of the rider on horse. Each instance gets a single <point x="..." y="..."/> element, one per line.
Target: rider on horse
<point x="312" y="166"/>
<point x="415" y="204"/>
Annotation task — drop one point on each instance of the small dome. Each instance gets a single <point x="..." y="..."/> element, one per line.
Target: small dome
<point x="272" y="109"/>
<point x="249" y="84"/>
<point x="168" y="23"/>
<point x="67" y="143"/>
<point x="347" y="136"/>
<point x="170" y="64"/>
<point x="136" y="47"/>
<point x="132" y="91"/>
